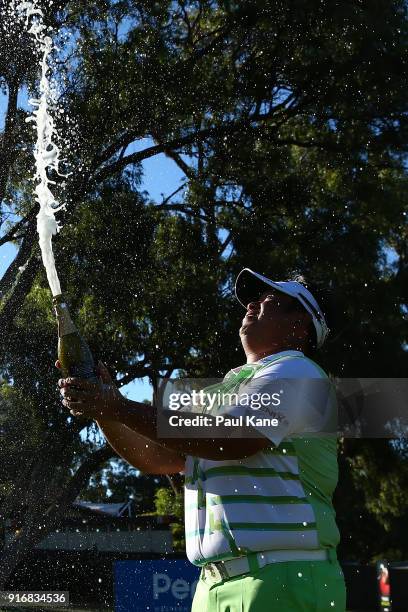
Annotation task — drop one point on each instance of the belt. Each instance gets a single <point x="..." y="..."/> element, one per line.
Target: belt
<point x="234" y="567"/>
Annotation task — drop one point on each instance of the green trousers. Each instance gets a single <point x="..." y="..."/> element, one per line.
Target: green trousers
<point x="293" y="586"/>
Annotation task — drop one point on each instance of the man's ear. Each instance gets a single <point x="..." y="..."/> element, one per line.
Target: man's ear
<point x="303" y="320"/>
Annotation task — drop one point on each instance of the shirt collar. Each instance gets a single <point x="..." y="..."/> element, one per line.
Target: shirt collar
<point x="268" y="358"/>
<point x="274" y="356"/>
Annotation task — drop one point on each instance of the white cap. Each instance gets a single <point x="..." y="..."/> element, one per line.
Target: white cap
<point x="248" y="288"/>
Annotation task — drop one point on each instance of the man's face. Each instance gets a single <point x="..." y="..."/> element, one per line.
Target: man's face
<point x="273" y="318"/>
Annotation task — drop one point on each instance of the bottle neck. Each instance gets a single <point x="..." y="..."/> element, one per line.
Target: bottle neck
<point x="65" y="323"/>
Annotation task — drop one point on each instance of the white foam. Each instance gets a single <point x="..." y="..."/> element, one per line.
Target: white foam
<point x="46" y="151"/>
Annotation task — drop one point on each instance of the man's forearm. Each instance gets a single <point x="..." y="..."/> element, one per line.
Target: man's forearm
<point x="142" y="418"/>
<point x="141" y="453"/>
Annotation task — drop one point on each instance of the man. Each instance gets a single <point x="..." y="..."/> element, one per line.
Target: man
<point x="259" y="516"/>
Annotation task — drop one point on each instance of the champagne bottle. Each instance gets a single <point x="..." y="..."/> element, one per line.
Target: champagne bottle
<point x="74" y="353"/>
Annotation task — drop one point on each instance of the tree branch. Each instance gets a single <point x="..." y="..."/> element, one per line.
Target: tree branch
<point x="82" y="475"/>
<point x="195" y="137"/>
<point x="138" y="370"/>
<point x="188" y="171"/>
<point x="7" y="151"/>
<point x="225" y="243"/>
<point x="123" y="141"/>
<point x="17" y="294"/>
<point x="182" y="208"/>
<point x="169" y="197"/>
<point x="11" y="235"/>
<point x="16" y="266"/>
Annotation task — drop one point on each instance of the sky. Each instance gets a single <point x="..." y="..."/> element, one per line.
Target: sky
<point x="161" y="176"/>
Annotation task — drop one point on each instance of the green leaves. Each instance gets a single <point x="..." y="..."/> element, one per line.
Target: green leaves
<point x="289" y="123"/>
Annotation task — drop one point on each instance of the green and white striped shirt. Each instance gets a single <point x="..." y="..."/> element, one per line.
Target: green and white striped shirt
<point x="278" y="499"/>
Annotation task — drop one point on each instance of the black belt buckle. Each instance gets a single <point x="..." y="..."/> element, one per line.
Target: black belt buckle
<point x="217" y="571"/>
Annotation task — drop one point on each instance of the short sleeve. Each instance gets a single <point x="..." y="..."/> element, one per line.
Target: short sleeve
<point x="283" y="400"/>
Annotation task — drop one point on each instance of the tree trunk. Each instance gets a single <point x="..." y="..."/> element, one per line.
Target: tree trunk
<point x="45" y="513"/>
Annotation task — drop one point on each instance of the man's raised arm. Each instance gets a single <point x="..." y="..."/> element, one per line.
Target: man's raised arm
<point x="145" y="455"/>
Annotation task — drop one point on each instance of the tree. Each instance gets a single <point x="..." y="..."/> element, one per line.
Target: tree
<point x="169" y="503"/>
<point x="284" y="133"/>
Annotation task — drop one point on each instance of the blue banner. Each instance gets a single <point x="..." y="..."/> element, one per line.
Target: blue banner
<point x="154" y="585"/>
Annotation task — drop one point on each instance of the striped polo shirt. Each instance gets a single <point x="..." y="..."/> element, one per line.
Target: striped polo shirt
<point x="277" y="499"/>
